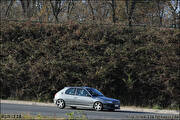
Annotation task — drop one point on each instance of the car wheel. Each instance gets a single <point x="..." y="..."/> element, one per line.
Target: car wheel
<point x="73" y="107"/>
<point x="60" y="103"/>
<point x="98" y="106"/>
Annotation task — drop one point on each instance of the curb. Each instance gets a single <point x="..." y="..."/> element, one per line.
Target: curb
<point x="124" y="108"/>
<point x="175" y="112"/>
<point x="26" y="103"/>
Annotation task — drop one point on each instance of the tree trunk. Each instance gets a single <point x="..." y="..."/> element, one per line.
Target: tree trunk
<point x="173" y="10"/>
<point x="174" y="21"/>
<point x="9" y="7"/>
<point x="91" y="8"/>
<point x="56" y="18"/>
<point x="26" y="6"/>
<point x="130" y="12"/>
<point x="113" y="11"/>
<point x="179" y="15"/>
<point x="179" y="20"/>
<point x="70" y="8"/>
<point x="159" y="13"/>
<point x="160" y="7"/>
<point x="23" y="7"/>
<point x="56" y="8"/>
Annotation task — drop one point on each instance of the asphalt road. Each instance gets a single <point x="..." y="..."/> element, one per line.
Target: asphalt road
<point x="90" y="114"/>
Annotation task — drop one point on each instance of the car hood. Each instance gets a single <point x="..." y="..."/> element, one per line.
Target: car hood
<point x="106" y="98"/>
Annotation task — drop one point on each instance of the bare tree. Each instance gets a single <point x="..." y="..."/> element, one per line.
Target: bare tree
<point x="129" y="11"/>
<point x="71" y="5"/>
<point x="174" y="6"/>
<point x="160" y="11"/>
<point x="112" y="4"/>
<point x="9" y="7"/>
<point x="91" y="9"/>
<point x="57" y="7"/>
<point x="28" y="7"/>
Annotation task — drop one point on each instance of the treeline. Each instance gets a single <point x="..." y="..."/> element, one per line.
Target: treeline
<point x="139" y="66"/>
<point x="159" y="13"/>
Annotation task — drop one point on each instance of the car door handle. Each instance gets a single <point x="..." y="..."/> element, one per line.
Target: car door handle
<point x="75" y="97"/>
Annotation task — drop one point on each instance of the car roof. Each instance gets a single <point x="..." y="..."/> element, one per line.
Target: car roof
<point x="79" y="87"/>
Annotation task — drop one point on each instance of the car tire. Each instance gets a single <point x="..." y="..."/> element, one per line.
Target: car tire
<point x="60" y="103"/>
<point x="73" y="107"/>
<point x="98" y="106"/>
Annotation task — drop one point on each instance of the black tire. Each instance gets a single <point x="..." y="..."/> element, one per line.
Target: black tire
<point x="98" y="106"/>
<point x="60" y="103"/>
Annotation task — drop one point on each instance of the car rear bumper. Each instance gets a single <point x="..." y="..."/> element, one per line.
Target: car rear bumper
<point x="54" y="100"/>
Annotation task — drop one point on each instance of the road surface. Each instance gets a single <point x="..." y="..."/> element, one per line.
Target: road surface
<point x="90" y="114"/>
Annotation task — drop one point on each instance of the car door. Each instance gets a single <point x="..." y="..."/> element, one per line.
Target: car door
<point x="70" y="96"/>
<point x="83" y="98"/>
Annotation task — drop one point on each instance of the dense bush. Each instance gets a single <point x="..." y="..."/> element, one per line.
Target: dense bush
<point x="138" y="66"/>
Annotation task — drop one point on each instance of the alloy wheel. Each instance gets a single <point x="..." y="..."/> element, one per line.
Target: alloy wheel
<point x="60" y="103"/>
<point x="98" y="106"/>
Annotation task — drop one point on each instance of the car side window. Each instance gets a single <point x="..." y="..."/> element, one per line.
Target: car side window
<point x="70" y="91"/>
<point x="82" y="92"/>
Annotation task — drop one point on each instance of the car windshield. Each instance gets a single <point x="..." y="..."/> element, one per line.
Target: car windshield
<point x="94" y="92"/>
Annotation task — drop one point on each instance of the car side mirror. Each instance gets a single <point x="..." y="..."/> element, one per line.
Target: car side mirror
<point x="88" y="95"/>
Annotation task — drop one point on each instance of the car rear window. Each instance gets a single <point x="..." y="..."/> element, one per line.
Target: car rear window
<point x="70" y="91"/>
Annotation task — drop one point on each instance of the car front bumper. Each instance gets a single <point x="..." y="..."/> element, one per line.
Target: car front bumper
<point x="111" y="106"/>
